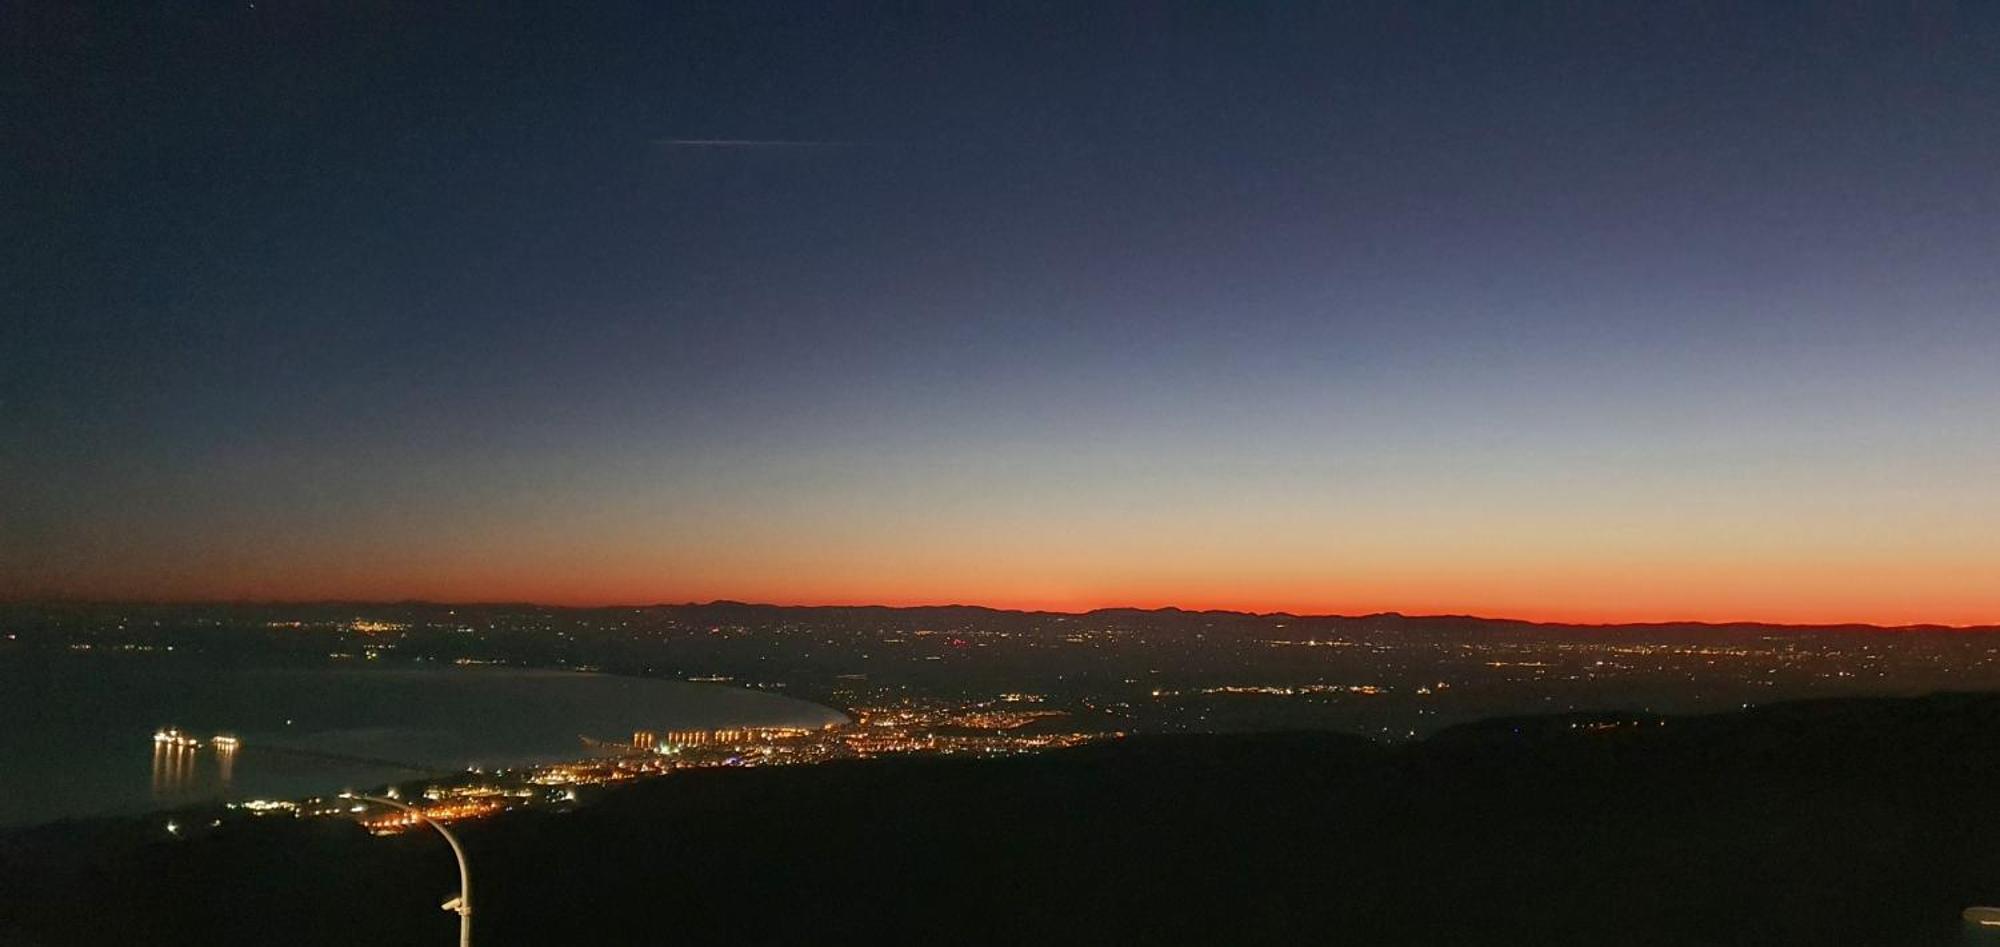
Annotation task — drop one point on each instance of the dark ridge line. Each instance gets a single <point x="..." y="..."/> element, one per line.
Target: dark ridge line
<point x="1166" y="610"/>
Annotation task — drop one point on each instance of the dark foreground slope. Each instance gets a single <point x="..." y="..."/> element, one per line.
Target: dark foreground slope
<point x="1850" y="822"/>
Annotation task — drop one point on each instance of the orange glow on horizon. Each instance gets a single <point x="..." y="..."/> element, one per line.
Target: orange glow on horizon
<point x="1889" y="587"/>
<point x="598" y="596"/>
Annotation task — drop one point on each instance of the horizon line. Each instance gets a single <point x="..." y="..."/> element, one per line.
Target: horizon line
<point x="1247" y="613"/>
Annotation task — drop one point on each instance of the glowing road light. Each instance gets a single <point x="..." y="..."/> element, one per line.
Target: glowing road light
<point x="462" y="902"/>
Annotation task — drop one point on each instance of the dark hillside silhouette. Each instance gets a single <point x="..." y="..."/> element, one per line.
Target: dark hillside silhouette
<point x="1831" y="822"/>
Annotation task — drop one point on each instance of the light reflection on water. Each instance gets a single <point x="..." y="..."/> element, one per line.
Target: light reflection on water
<point x="80" y="735"/>
<point x="186" y="773"/>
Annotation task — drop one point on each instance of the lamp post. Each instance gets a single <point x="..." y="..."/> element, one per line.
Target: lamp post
<point x="463" y="902"/>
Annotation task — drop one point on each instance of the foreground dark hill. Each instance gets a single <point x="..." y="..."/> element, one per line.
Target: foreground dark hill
<point x="1842" y="822"/>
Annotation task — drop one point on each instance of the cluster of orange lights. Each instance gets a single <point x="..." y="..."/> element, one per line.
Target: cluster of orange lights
<point x="1005" y="719"/>
<point x="391" y="823"/>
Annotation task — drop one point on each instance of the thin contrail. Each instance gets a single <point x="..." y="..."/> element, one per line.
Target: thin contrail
<point x="753" y="143"/>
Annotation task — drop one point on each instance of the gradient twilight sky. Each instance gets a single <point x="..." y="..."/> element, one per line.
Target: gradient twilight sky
<point x="1588" y="311"/>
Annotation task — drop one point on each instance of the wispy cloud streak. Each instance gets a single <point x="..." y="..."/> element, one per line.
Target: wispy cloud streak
<point x="754" y="143"/>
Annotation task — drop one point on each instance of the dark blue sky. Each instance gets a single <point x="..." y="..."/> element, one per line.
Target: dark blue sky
<point x="1398" y="305"/>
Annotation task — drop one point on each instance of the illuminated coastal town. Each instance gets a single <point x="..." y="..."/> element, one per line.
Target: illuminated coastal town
<point x="958" y="682"/>
<point x="1387" y="474"/>
<point x="982" y="730"/>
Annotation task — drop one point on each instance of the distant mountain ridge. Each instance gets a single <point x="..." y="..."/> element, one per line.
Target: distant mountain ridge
<point x="758" y="612"/>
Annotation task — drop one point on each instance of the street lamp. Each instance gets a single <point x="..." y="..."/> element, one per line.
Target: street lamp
<point x="462" y="903"/>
